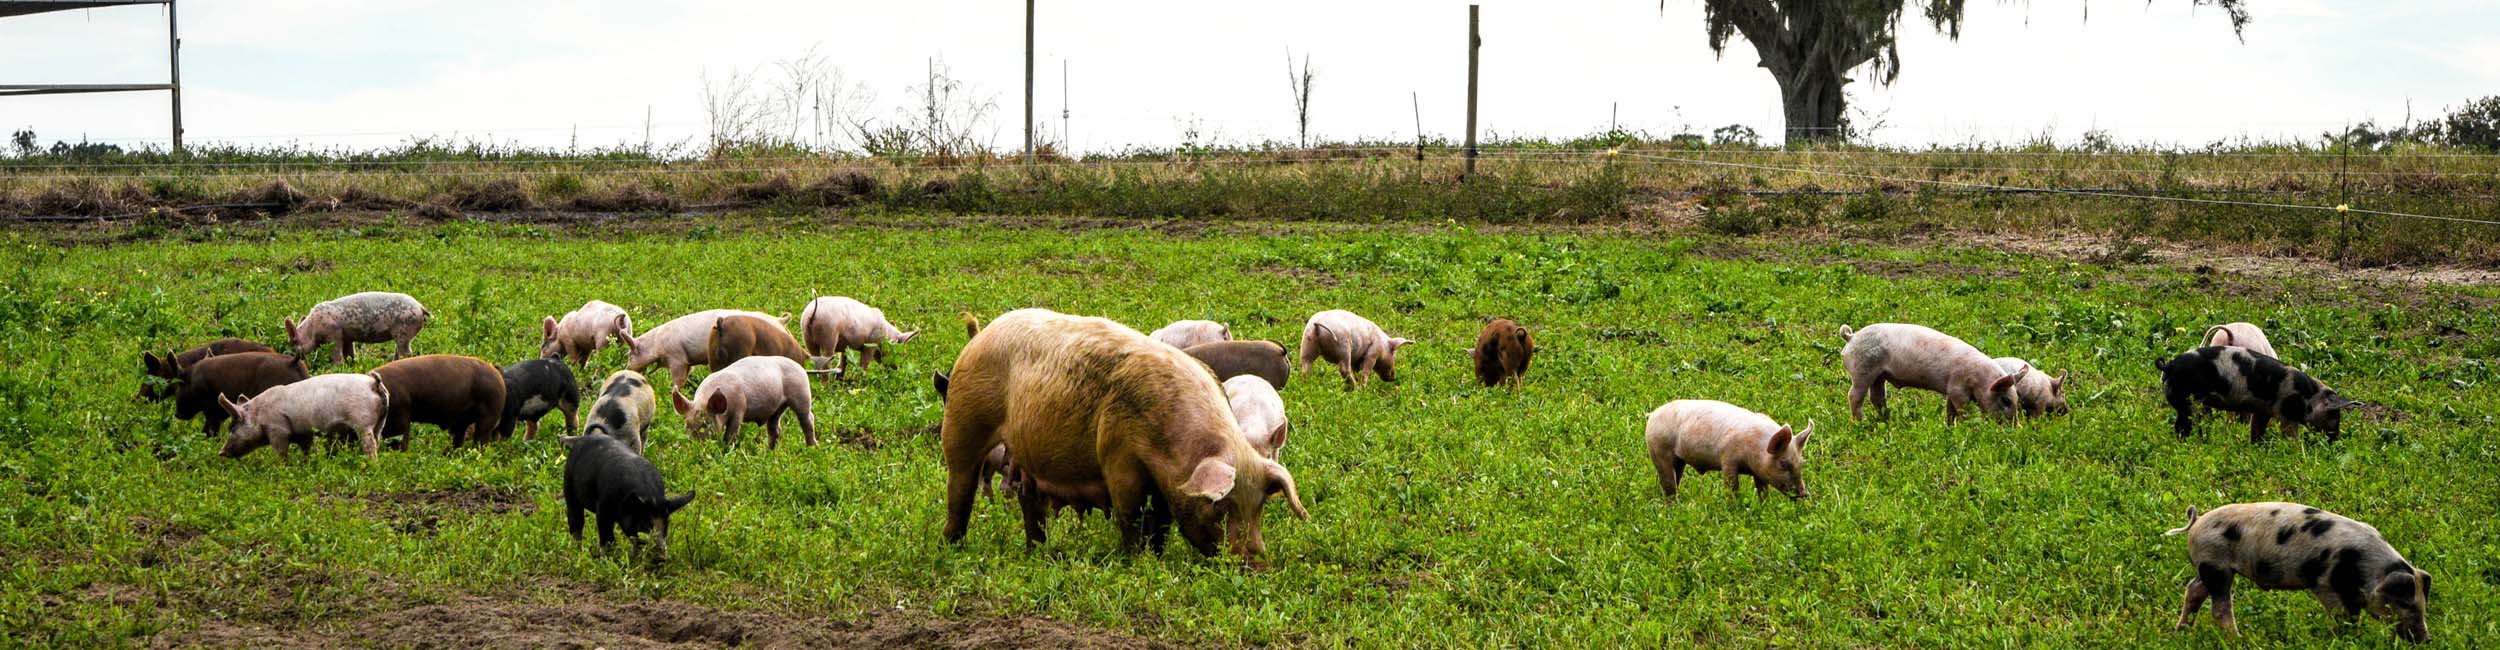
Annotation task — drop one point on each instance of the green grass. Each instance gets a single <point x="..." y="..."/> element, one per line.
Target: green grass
<point x="1444" y="514"/>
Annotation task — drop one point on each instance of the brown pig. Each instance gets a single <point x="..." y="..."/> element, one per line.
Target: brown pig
<point x="1185" y="334"/>
<point x="1352" y="342"/>
<point x="368" y="317"/>
<point x="1914" y="356"/>
<point x="1086" y="402"/>
<point x="739" y="337"/>
<point x="1713" y="436"/>
<point x="244" y="374"/>
<point x="342" y="404"/>
<point x="753" y="389"/>
<point x="1229" y="359"/>
<point x="1502" y="352"/>
<point x="163" y="372"/>
<point x="835" y="325"/>
<point x="680" y="344"/>
<point x="2285" y="546"/>
<point x="583" y="332"/>
<point x="463" y="395"/>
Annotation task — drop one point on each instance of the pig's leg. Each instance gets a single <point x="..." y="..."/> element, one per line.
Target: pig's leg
<point x="2217" y="581"/>
<point x="2257" y="428"/>
<point x="1857" y="398"/>
<point x="1670" y="472"/>
<point x="1735" y="480"/>
<point x="1036" y="515"/>
<point x="347" y="350"/>
<point x="2195" y="601"/>
<point x="1309" y="352"/>
<point x="367" y="438"/>
<point x="1880" y="397"/>
<point x="607" y="528"/>
<point x="573" y="521"/>
<point x="2185" y="420"/>
<point x="807" y="422"/>
<point x="731" y="423"/>
<point x="570" y="426"/>
<point x="1952" y="408"/>
<point x="532" y="433"/>
<point x="1128" y="506"/>
<point x="213" y="422"/>
<point x="967" y="438"/>
<point x="677" y="369"/>
<point x="278" y="442"/>
<point x="772" y="432"/>
<point x="404" y="342"/>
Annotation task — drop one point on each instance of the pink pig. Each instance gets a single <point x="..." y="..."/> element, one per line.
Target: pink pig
<point x="2240" y="335"/>
<point x="1712" y="436"/>
<point x="337" y="404"/>
<point x="1186" y="333"/>
<point x="368" y="317"/>
<point x="1914" y="356"/>
<point x="1352" y="342"/>
<point x="1259" y="411"/>
<point x="834" y="325"/>
<point x="680" y="344"/>
<point x="584" y="331"/>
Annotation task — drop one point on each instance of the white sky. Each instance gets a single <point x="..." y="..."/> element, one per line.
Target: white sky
<point x="369" y="73"/>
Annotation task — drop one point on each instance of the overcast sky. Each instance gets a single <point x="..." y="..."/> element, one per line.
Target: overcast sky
<point x="547" y="73"/>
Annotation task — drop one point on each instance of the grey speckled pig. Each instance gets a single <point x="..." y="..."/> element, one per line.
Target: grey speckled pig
<point x="2286" y="546"/>
<point x="368" y="317"/>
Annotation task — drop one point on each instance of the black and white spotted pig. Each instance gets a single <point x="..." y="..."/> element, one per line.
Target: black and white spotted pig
<point x="2237" y="380"/>
<point x="532" y="389"/>
<point x="2281" y="546"/>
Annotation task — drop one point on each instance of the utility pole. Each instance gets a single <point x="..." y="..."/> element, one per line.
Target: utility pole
<point x="1473" y="41"/>
<point x="173" y="48"/>
<point x="1067" y="141"/>
<point x="1028" y="81"/>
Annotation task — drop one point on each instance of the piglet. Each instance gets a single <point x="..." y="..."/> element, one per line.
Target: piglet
<point x="1713" y="436"/>
<point x="624" y="409"/>
<point x="755" y="389"/>
<point x="680" y="344"/>
<point x="368" y="317"/>
<point x="534" y="388"/>
<point x="602" y="477"/>
<point x="1259" y="411"/>
<point x="1913" y="356"/>
<point x="2240" y="335"/>
<point x="835" y="325"/>
<point x="197" y="386"/>
<point x="739" y="337"/>
<point x="1501" y="353"/>
<point x="2283" y="546"/>
<point x="583" y="332"/>
<point x="165" y="371"/>
<point x="2239" y="380"/>
<point x="1353" y="343"/>
<point x="2036" y="394"/>
<point x="1229" y="359"/>
<point x="337" y="404"/>
<point x="1184" y="334"/>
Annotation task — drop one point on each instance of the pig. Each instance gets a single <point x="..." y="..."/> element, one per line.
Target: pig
<point x="754" y="389"/>
<point x="1088" y="404"/>
<point x="163" y="372"/>
<point x="583" y="332"/>
<point x="2240" y="335"/>
<point x="603" y="477"/>
<point x="1501" y="353"/>
<point x="1259" y="412"/>
<point x="739" y="337"/>
<point x="534" y="388"/>
<point x="340" y="405"/>
<point x="1713" y="436"/>
<point x="1184" y="334"/>
<point x="463" y="395"/>
<point x="679" y="344"/>
<point x="1229" y="359"/>
<point x="2282" y="546"/>
<point x="836" y="324"/>
<point x="2036" y="394"/>
<point x="1353" y="343"/>
<point x="368" y="317"/>
<point x="972" y="324"/>
<point x="624" y="409"/>
<point x="244" y="374"/>
<point x="2240" y="380"/>
<point x="1913" y="356"/>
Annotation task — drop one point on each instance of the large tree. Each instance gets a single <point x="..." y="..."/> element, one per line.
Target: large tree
<point x="1810" y="46"/>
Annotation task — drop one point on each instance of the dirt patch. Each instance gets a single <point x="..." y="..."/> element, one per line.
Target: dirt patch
<point x="423" y="511"/>
<point x="2188" y="256"/>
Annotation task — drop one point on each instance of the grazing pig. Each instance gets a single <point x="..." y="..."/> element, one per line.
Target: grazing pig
<point x="1229" y="359"/>
<point x="1501" y="353"/>
<point x="534" y="388"/>
<point x="2282" y="546"/>
<point x="2036" y="394"/>
<point x="2239" y="380"/>
<point x="605" y="478"/>
<point x="1185" y="334"/>
<point x="243" y="374"/>
<point x="1353" y="343"/>
<point x="163" y="372"/>
<point x="368" y="317"/>
<point x="680" y="344"/>
<point x="739" y="337"/>
<point x="624" y="409"/>
<point x="583" y="332"/>
<point x="1913" y="356"/>
<point x="1088" y="404"/>
<point x="1259" y="412"/>
<point x="754" y="389"/>
<point x="1714" y="436"/>
<point x="340" y="405"/>
<point x="836" y="324"/>
<point x="2240" y="335"/>
<point x="463" y="395"/>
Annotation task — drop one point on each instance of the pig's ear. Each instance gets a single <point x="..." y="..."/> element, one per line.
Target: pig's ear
<point x="906" y="337"/>
<point x="2005" y="383"/>
<point x="2057" y="385"/>
<point x="2340" y="403"/>
<point x="1471" y="353"/>
<point x="1800" y="442"/>
<point x="718" y="404"/>
<point x="1396" y="343"/>
<point x="148" y="362"/>
<point x="940" y="379"/>
<point x="678" y="400"/>
<point x="290" y="328"/>
<point x="548" y="327"/>
<point x="670" y="505"/>
<point x="230" y="405"/>
<point x="1279" y="480"/>
<point x="1780" y="441"/>
<point x="1212" y="479"/>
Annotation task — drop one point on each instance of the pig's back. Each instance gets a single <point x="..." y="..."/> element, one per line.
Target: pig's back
<point x="1703" y="428"/>
<point x="2271" y="541"/>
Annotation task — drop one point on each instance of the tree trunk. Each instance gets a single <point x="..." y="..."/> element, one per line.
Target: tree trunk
<point x="1811" y="103"/>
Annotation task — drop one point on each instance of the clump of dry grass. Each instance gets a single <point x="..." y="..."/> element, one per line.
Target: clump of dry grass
<point x="768" y="190"/>
<point x="499" y="195"/>
<point x="359" y="198"/>
<point x="846" y="188"/>
<point x="629" y="198"/>
<point x="435" y="212"/>
<point x="86" y="197"/>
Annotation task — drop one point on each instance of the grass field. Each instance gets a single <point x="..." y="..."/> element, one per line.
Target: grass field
<point x="1444" y="514"/>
